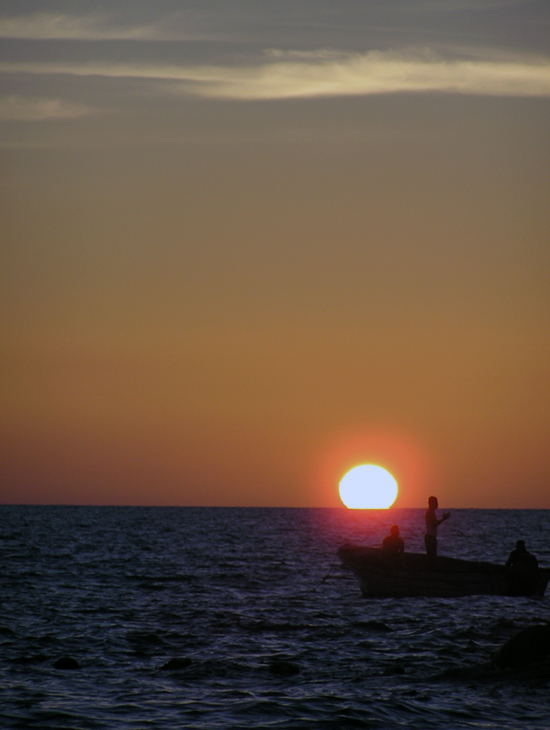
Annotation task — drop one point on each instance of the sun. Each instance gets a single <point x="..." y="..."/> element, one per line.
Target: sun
<point x="368" y="487"/>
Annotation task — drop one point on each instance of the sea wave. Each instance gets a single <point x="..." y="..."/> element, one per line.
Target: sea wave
<point x="205" y="618"/>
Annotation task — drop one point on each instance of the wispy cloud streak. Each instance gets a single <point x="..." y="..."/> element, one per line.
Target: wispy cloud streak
<point x="37" y="109"/>
<point x="59" y="26"/>
<point x="288" y="76"/>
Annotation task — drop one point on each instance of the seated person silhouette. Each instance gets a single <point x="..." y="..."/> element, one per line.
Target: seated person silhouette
<point x="393" y="544"/>
<point x="522" y="569"/>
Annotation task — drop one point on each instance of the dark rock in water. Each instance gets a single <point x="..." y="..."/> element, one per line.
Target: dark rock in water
<point x="177" y="663"/>
<point x="524" y="658"/>
<point x="373" y="626"/>
<point x="283" y="668"/>
<point x="393" y="669"/>
<point x="530" y="645"/>
<point x="67" y="662"/>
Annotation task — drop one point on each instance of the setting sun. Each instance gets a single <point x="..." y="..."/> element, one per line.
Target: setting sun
<point x="368" y="487"/>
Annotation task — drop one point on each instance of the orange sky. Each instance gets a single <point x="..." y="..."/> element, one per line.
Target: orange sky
<point x="227" y="287"/>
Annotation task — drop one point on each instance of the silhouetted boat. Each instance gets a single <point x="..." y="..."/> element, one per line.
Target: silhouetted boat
<point x="411" y="574"/>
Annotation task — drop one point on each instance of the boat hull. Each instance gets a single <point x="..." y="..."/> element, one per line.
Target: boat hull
<point x="412" y="574"/>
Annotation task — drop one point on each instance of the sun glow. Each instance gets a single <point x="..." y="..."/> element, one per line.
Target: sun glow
<point x="368" y="487"/>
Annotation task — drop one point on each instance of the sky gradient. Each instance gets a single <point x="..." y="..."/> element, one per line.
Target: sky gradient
<point x="248" y="245"/>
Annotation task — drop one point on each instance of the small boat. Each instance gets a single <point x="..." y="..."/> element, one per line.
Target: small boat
<point x="411" y="574"/>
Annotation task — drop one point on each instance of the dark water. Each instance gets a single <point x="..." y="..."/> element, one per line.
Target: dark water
<point x="238" y="596"/>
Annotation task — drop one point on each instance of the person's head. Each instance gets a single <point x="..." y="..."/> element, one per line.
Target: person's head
<point x="520" y="545"/>
<point x="394" y="531"/>
<point x="432" y="503"/>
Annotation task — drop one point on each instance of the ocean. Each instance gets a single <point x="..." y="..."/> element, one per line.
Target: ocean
<point x="244" y="618"/>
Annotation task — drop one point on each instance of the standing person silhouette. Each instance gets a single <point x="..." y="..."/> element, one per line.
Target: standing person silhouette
<point x="432" y="523"/>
